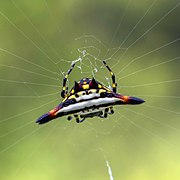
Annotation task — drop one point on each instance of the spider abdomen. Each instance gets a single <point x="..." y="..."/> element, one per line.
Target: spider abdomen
<point x="89" y="104"/>
<point x="86" y="96"/>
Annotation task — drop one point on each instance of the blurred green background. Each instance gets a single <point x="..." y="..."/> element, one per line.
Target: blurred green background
<point x="140" y="41"/>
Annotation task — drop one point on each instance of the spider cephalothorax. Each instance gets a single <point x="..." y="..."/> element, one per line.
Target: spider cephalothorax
<point x="88" y="98"/>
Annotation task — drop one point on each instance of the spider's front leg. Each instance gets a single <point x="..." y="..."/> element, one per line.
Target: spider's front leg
<point x="65" y="88"/>
<point x="114" y="84"/>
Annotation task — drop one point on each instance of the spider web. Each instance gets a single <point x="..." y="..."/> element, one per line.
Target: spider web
<point x="139" y="41"/>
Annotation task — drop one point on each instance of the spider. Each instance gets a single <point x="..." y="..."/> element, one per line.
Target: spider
<point x="87" y="99"/>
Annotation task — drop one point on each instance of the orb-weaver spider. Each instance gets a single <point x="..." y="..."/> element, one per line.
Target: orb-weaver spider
<point x="88" y="98"/>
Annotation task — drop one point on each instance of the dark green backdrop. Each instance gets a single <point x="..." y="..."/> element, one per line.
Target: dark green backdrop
<point x="140" y="41"/>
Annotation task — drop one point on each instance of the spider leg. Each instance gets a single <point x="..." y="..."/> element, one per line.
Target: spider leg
<point x="69" y="118"/>
<point x="114" y="84"/>
<point x="101" y="114"/>
<point x="105" y="113"/>
<point x="111" y="111"/>
<point x="79" y="120"/>
<point x="65" y="88"/>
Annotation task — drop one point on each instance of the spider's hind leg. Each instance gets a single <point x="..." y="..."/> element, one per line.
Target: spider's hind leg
<point x="111" y="111"/>
<point x="79" y="120"/>
<point x="69" y="118"/>
<point x="105" y="113"/>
